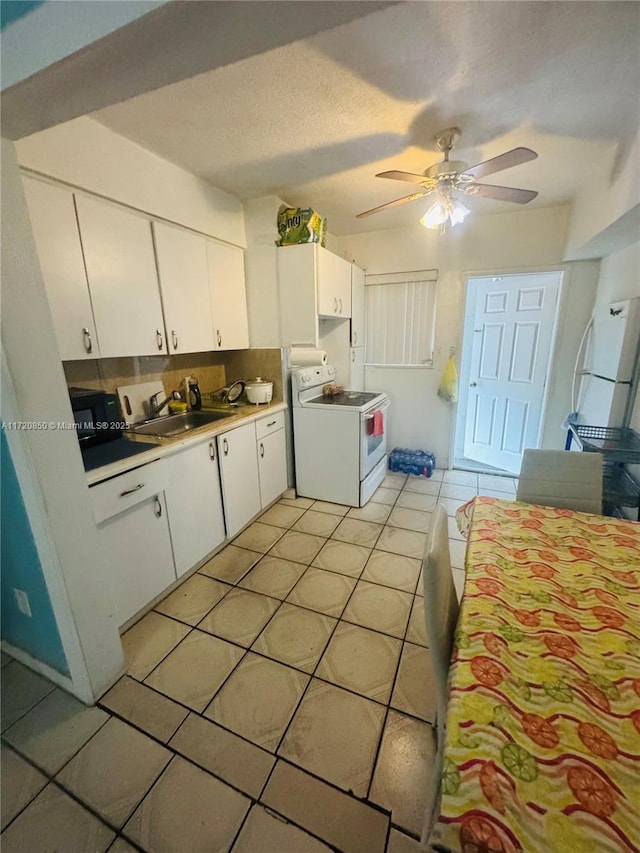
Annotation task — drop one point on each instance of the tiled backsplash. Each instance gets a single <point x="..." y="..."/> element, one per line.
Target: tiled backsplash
<point x="213" y="370"/>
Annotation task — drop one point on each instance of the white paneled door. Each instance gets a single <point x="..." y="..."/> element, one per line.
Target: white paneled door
<point x="512" y="335"/>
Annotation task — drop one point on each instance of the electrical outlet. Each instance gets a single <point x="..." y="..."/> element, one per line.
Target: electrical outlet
<point x="22" y="600"/>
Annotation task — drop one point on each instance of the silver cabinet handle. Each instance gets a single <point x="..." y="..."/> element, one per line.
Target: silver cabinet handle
<point x="88" y="345"/>
<point x="158" y="507"/>
<point x="355" y="337"/>
<point x="261" y="450"/>
<point x="174" y="339"/>
<point x="335" y="307"/>
<point x="353" y="356"/>
<point x="225" y="446"/>
<point x="271" y="423"/>
<point x="159" y="338"/>
<point x="131" y="491"/>
<point x="219" y="337"/>
<point x="340" y="301"/>
<point x="212" y="450"/>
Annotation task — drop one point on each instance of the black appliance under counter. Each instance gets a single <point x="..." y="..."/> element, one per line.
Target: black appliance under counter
<point x="113" y="451"/>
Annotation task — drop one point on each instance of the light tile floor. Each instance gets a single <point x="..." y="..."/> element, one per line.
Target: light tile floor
<point x="279" y="700"/>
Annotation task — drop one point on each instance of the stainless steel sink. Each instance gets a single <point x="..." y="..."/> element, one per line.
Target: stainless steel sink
<point x="172" y="425"/>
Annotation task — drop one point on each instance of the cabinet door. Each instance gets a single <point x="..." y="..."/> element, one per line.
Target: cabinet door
<point x="272" y="466"/>
<point x="184" y="284"/>
<point x="357" y="306"/>
<point x="356" y="368"/>
<point x="121" y="268"/>
<point x="55" y="228"/>
<point x="343" y="286"/>
<point x="138" y="555"/>
<point x="327" y="284"/>
<point x="334" y="284"/>
<point x="239" y="475"/>
<point x="194" y="503"/>
<point x="228" y="296"/>
<point x="297" y="291"/>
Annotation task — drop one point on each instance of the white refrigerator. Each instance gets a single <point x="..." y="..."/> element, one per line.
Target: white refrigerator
<point x="610" y="361"/>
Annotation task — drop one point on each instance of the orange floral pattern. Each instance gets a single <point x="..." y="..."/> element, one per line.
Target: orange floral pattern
<point x="543" y="723"/>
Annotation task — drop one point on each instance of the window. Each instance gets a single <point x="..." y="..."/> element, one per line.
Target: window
<point x="401" y="318"/>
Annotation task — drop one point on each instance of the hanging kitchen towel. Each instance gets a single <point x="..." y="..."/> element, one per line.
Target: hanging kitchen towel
<point x="448" y="389"/>
<point x="378" y="423"/>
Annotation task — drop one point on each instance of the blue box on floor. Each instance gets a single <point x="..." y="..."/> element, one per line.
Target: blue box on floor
<point x="419" y="462"/>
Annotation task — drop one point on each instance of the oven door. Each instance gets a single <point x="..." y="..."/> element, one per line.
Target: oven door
<point x="372" y="447"/>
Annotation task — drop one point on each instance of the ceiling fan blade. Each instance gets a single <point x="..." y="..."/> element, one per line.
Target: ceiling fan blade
<point x="503" y="161"/>
<point x="503" y="193"/>
<point x="402" y="176"/>
<point x="391" y="204"/>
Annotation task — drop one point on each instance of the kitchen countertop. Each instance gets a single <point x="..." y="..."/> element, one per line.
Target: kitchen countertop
<point x="162" y="447"/>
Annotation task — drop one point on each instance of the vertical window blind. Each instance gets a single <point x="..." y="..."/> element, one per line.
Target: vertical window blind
<point x="401" y="318"/>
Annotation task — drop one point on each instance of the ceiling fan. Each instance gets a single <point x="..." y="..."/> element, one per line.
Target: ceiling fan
<point x="450" y="177"/>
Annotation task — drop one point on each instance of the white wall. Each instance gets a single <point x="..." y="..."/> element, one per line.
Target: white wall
<point x="604" y="215"/>
<point x="619" y="276"/>
<point x="86" y="154"/>
<point x="48" y="462"/>
<point x="510" y="242"/>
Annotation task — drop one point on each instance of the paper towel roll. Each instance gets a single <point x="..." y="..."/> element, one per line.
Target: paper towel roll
<point x="307" y="357"/>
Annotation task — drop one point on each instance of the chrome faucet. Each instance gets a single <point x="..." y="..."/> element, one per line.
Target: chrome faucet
<point x="155" y="408"/>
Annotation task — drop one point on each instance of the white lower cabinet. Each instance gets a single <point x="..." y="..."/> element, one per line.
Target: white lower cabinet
<point x="239" y="477"/>
<point x="158" y="521"/>
<point x="272" y="457"/>
<point x="131" y="513"/>
<point x="194" y="502"/>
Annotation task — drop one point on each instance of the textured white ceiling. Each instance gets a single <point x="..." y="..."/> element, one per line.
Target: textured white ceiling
<point x="313" y="121"/>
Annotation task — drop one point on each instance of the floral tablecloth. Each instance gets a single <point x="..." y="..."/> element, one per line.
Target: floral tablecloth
<point x="543" y="724"/>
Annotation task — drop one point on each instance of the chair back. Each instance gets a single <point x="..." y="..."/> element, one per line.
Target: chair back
<point x="440" y="603"/>
<point x="561" y="478"/>
<point x="441" y="616"/>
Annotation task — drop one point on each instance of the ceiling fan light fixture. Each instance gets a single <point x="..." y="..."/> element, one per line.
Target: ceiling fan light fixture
<point x="436" y="216"/>
<point x="459" y="213"/>
<point x="446" y="210"/>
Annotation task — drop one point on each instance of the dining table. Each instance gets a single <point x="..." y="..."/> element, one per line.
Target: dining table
<point x="542" y="747"/>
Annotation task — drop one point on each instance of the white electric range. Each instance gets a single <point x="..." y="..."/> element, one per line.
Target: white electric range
<point x="339" y="455"/>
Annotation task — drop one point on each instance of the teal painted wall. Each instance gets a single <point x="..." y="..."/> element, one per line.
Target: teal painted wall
<point x="38" y="634"/>
<point x="12" y="10"/>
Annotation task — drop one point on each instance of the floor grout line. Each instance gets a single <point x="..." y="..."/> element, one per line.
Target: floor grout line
<point x="312" y="675"/>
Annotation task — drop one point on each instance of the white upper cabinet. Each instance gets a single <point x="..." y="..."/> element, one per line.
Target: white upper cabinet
<point x="297" y="292"/>
<point x="121" y="268"/>
<point x="228" y="296"/>
<point x="184" y="283"/>
<point x="334" y="284"/>
<point x="357" y="307"/>
<point x="55" y="228"/>
<point x="312" y="283"/>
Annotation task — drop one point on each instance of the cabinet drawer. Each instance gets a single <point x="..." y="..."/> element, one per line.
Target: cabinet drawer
<point x="120" y="493"/>
<point x="265" y="426"/>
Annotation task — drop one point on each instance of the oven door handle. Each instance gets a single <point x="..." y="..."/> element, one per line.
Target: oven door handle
<point x="382" y="408"/>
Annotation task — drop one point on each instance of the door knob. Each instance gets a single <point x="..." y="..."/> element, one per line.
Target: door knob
<point x="473" y="385"/>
